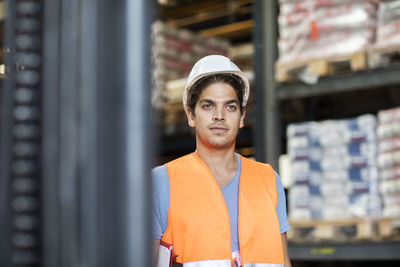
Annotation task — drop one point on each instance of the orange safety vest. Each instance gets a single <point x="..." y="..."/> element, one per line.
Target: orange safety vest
<point x="198" y="223"/>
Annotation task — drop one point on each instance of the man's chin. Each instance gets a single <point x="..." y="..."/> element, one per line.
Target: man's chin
<point x="222" y="145"/>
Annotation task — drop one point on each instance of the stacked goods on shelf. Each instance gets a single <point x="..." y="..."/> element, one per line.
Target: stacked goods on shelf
<point x="174" y="53"/>
<point x="387" y="45"/>
<point x="388" y="28"/>
<point x="243" y="56"/>
<point x="324" y="29"/>
<point x="333" y="167"/>
<point x="388" y="133"/>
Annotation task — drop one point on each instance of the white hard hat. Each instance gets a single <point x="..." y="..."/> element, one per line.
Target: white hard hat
<point x="215" y="64"/>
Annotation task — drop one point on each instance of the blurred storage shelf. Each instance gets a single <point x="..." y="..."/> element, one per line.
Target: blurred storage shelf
<point x="342" y="83"/>
<point x="310" y="102"/>
<point x="229" y="21"/>
<point x="358" y="251"/>
<point x="232" y="31"/>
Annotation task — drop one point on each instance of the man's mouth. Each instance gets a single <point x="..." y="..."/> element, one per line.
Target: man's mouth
<point x="218" y="129"/>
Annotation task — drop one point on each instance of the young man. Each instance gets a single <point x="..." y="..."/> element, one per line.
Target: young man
<point x="213" y="206"/>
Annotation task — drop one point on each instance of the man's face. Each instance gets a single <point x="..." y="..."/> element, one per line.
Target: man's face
<point x="217" y="116"/>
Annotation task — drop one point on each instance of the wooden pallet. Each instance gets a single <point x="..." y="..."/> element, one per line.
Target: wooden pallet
<point x="174" y="113"/>
<point x="174" y="107"/>
<point x="174" y="91"/>
<point x="241" y="51"/>
<point x="203" y="11"/>
<point x="383" y="56"/>
<point x="389" y="228"/>
<point x="229" y="31"/>
<point x="288" y="71"/>
<point x="338" y="230"/>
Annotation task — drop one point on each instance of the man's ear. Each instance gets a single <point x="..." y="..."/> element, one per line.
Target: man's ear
<point x="241" y="124"/>
<point x="190" y="116"/>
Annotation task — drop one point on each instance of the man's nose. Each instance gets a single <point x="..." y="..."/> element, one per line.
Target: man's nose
<point x="219" y="114"/>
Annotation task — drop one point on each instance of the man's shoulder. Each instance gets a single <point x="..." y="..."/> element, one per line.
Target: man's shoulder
<point x="181" y="160"/>
<point x="169" y="162"/>
<point x="253" y="163"/>
<point x="162" y="170"/>
<point x="158" y="172"/>
<point x="158" y="169"/>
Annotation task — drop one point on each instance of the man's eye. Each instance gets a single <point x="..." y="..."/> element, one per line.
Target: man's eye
<point x="232" y="107"/>
<point x="206" y="106"/>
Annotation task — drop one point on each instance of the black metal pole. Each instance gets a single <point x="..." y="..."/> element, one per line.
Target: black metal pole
<point x="267" y="136"/>
<point x="258" y="29"/>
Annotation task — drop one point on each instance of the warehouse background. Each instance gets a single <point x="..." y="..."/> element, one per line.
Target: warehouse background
<point x="91" y="100"/>
<point x="324" y="111"/>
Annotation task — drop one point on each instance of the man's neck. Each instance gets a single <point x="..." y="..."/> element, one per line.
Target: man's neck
<point x="221" y="158"/>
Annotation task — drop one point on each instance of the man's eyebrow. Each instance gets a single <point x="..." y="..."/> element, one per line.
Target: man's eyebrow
<point x="209" y="101"/>
<point x="232" y="101"/>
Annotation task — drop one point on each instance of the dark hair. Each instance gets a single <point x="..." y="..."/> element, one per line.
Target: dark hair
<point x="197" y="88"/>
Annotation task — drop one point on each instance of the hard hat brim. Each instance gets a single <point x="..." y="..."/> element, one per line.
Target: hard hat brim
<point x="239" y="74"/>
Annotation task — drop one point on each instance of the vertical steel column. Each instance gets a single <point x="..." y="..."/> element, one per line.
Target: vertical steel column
<point x="21" y="139"/>
<point x="267" y="137"/>
<point x="51" y="151"/>
<point x="258" y="131"/>
<point x="70" y="134"/>
<point x="139" y="150"/>
<point x="61" y="126"/>
<point x="6" y="121"/>
<point x="111" y="133"/>
<point x="96" y="139"/>
<point x="89" y="144"/>
<point x="69" y="126"/>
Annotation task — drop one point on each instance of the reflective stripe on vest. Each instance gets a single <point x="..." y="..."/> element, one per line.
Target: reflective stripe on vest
<point x="227" y="263"/>
<point x="262" y="265"/>
<point x="198" y="223"/>
<point x="210" y="263"/>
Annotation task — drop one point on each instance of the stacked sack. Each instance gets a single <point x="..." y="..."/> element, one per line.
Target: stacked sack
<point x="388" y="28"/>
<point x="389" y="161"/>
<point x="334" y="172"/>
<point x="174" y="53"/>
<point x="243" y="56"/>
<point x="324" y="28"/>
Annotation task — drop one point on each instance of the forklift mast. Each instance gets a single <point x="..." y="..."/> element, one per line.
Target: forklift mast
<point x="76" y="133"/>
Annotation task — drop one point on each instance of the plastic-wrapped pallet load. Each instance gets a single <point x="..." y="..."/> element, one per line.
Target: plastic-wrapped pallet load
<point x="174" y="52"/>
<point x="334" y="170"/>
<point x="388" y="28"/>
<point x="243" y="56"/>
<point x="323" y="28"/>
<point x="387" y="45"/>
<point x="389" y="161"/>
<point x="323" y="37"/>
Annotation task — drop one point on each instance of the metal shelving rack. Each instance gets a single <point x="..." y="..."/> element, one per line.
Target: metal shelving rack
<point x="269" y="94"/>
<point x="360" y="251"/>
<point x="362" y="80"/>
